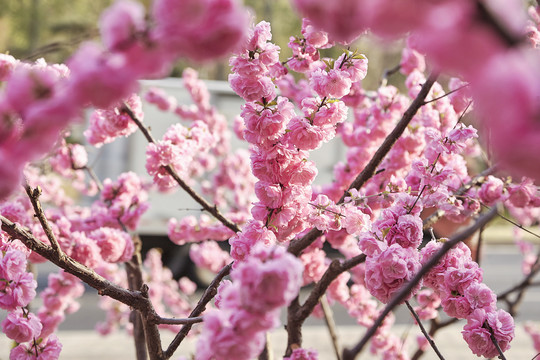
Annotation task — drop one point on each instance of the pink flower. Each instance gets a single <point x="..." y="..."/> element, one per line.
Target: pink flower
<point x="201" y="30"/>
<point x="407" y="232"/>
<point x="253" y="89"/>
<point x="120" y="23"/>
<point x="7" y="65"/>
<point x="303" y="354"/>
<point x="99" y="78"/>
<point x="272" y="268"/>
<point x="477" y="332"/>
<point x="160" y="98"/>
<point x="491" y="190"/>
<point x="335" y="83"/>
<point x="112" y="244"/>
<point x="106" y="125"/>
<point x="388" y="271"/>
<point x="20" y="327"/>
<point x="19" y="292"/>
<point x="343" y="20"/>
<point x="304" y="135"/>
<point x="411" y="60"/>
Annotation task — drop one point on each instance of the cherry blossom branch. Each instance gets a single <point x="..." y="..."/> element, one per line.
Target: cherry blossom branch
<point x="479" y="179"/>
<point x="494" y="341"/>
<point x="212" y="209"/>
<point x="423" y="329"/>
<point x="349" y="354"/>
<point x="135" y="282"/>
<point x="446" y="94"/>
<point x="297" y="245"/>
<point x="208" y="295"/>
<point x="33" y="195"/>
<point x="296" y="314"/>
<point x="90" y="277"/>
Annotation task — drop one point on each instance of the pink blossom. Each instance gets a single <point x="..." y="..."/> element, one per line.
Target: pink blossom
<point x="208" y="255"/>
<point x="85" y="250"/>
<point x="12" y="263"/>
<point x="335" y="83"/>
<point x="28" y="86"/>
<point x="268" y="269"/>
<point x="477" y="331"/>
<point x="388" y="271"/>
<point x="355" y="65"/>
<point x="113" y="244"/>
<point x="480" y="296"/>
<point x="120" y="23"/>
<point x="106" y="125"/>
<point x="343" y="20"/>
<point x="491" y="190"/>
<point x="201" y="30"/>
<point x="461" y="95"/>
<point x="304" y="135"/>
<point x="160" y="98"/>
<point x="303" y="354"/>
<point x="407" y="231"/>
<point x="99" y="78"/>
<point x="21" y="327"/>
<point x="253" y="89"/>
<point x="19" y="292"/>
<point x="7" y="65"/>
<point x="411" y="60"/>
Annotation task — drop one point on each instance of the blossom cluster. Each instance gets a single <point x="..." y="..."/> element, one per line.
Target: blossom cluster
<point x="246" y="310"/>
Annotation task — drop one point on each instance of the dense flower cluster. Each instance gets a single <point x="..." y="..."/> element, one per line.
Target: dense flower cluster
<point x="490" y="48"/>
<point x="246" y="309"/>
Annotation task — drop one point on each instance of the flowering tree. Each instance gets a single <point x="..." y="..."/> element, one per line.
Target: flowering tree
<point x="413" y="161"/>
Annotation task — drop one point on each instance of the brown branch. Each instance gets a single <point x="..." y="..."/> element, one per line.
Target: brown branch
<point x="208" y="295"/>
<point x="180" y="321"/>
<point x="212" y="209"/>
<point x="90" y="277"/>
<point x="349" y="354"/>
<point x="423" y="329"/>
<point x="135" y="282"/>
<point x="297" y="314"/>
<point x="297" y="245"/>
<point x="33" y="195"/>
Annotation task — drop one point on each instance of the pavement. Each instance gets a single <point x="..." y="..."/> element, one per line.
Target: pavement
<point x="502" y="269"/>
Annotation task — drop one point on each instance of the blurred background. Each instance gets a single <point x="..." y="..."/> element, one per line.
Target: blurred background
<point x="32" y="29"/>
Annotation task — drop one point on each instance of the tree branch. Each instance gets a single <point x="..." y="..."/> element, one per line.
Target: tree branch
<point x="423" y="329"/>
<point x="349" y="354"/>
<point x="208" y="295"/>
<point x="298" y="314"/>
<point x="212" y="209"/>
<point x="298" y="245"/>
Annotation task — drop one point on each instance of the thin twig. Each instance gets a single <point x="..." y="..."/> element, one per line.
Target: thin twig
<point x="208" y="295"/>
<point x="349" y="354"/>
<point x="33" y="195"/>
<point x="423" y="329"/>
<point x="180" y="321"/>
<point x="331" y="325"/>
<point x="212" y="209"/>
<point x="446" y="94"/>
